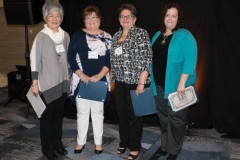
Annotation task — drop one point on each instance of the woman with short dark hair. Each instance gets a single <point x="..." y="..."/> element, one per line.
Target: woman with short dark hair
<point x="131" y="56"/>
<point x="89" y="58"/>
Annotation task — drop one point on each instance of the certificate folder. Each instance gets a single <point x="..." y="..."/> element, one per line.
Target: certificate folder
<point x="93" y="91"/>
<point x="143" y="103"/>
<point x="36" y="102"/>
<point x="181" y="101"/>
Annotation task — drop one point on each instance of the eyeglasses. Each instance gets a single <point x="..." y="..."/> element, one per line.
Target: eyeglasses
<point x="126" y="17"/>
<point x="93" y="18"/>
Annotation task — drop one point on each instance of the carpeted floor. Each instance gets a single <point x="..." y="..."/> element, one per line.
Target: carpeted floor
<point x="19" y="139"/>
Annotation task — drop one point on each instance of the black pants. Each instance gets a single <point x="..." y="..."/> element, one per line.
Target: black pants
<point x="130" y="126"/>
<point x="51" y="125"/>
<point x="172" y="124"/>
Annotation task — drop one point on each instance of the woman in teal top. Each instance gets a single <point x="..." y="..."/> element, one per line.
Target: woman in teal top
<point x="174" y="62"/>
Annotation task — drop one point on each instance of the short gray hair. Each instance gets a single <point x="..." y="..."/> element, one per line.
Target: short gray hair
<point x="51" y="6"/>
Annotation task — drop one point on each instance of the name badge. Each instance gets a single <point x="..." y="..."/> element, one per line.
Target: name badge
<point x="59" y="48"/>
<point x="92" y="55"/>
<point x="118" y="51"/>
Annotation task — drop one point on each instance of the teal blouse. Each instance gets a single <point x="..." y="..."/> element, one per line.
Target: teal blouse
<point x="182" y="59"/>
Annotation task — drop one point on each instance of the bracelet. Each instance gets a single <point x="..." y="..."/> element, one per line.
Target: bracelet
<point x="99" y="75"/>
<point x="141" y="83"/>
<point x="33" y="85"/>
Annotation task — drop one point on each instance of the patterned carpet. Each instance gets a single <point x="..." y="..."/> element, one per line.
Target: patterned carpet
<point x="19" y="139"/>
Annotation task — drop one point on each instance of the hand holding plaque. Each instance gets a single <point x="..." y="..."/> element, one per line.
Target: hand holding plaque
<point x="180" y="101"/>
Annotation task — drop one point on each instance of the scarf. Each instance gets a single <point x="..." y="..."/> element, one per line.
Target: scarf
<point x="56" y="37"/>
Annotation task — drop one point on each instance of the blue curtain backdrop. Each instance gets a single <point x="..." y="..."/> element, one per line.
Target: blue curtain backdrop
<point x="214" y="23"/>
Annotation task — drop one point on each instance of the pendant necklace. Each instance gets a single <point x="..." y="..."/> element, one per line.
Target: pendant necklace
<point x="164" y="39"/>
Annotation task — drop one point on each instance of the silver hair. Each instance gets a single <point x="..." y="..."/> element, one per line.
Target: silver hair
<point x="51" y="6"/>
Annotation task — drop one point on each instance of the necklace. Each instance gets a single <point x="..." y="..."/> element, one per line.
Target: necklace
<point x="164" y="39"/>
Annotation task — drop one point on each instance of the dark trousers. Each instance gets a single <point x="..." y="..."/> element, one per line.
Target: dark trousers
<point x="51" y="125"/>
<point x="130" y="126"/>
<point x="172" y="124"/>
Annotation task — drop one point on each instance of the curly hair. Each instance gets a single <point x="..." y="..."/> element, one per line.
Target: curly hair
<point x="180" y="23"/>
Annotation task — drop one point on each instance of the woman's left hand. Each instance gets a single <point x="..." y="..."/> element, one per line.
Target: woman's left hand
<point x="181" y="89"/>
<point x="140" y="89"/>
<point x="95" y="78"/>
<point x="181" y="85"/>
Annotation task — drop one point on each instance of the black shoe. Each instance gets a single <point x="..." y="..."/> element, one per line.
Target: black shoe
<point x="121" y="150"/>
<point x="131" y="156"/>
<point x="98" y="151"/>
<point x="51" y="156"/>
<point x="160" y="152"/>
<point x="172" y="157"/>
<point x="62" y="151"/>
<point x="79" y="150"/>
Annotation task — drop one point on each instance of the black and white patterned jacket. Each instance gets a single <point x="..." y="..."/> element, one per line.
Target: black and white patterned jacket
<point x="136" y="56"/>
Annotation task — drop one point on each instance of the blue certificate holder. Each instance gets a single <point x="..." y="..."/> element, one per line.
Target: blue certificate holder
<point x="93" y="91"/>
<point x="143" y="103"/>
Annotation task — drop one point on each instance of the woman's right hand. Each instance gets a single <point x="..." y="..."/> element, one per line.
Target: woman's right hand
<point x="84" y="78"/>
<point x="140" y="89"/>
<point x="35" y="89"/>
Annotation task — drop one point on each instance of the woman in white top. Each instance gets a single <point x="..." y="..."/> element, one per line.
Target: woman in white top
<point x="50" y="77"/>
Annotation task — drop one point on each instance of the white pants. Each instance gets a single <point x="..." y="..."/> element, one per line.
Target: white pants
<point x="84" y="107"/>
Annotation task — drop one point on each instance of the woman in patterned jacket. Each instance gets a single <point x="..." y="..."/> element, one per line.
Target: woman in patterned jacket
<point x="131" y="55"/>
